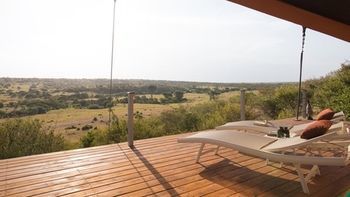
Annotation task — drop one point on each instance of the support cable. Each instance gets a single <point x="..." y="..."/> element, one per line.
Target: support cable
<point x="111" y="72"/>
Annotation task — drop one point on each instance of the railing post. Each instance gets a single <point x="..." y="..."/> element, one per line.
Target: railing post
<point x="242" y="103"/>
<point x="131" y="119"/>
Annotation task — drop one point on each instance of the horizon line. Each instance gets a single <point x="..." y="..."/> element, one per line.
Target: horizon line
<point x="135" y="79"/>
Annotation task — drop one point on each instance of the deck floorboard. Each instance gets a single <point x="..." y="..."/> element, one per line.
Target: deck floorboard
<point x="159" y="167"/>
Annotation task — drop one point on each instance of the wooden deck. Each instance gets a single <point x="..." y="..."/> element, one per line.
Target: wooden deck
<point x="158" y="167"/>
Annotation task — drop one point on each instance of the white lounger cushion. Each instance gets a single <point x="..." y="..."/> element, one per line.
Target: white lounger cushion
<point x="228" y="137"/>
<point x="295" y="142"/>
<point x="247" y="125"/>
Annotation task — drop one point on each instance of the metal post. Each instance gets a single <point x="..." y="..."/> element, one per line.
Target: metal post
<point x="131" y="119"/>
<point x="242" y="104"/>
<point x="300" y="72"/>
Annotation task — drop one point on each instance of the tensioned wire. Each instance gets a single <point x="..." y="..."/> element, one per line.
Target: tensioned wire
<point x="111" y="71"/>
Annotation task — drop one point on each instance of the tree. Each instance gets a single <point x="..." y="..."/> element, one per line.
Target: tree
<point x="212" y="94"/>
<point x="167" y="95"/>
<point x="179" y="96"/>
<point x="152" y="89"/>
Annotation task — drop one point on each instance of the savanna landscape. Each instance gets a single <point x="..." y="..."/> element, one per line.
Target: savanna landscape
<point x="45" y="115"/>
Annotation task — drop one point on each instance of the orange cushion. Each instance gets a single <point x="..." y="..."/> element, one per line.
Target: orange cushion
<point x="326" y="114"/>
<point x="315" y="129"/>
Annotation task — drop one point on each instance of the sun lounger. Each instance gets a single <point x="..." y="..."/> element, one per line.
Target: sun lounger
<point x="267" y="127"/>
<point x="273" y="149"/>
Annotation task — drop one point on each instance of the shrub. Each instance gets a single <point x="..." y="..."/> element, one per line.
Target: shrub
<point x="70" y="127"/>
<point x="86" y="127"/>
<point x="88" y="139"/>
<point x="334" y="90"/>
<point x="95" y="106"/>
<point x="26" y="137"/>
<point x="147" y="128"/>
<point x="117" y="131"/>
<point x="280" y="102"/>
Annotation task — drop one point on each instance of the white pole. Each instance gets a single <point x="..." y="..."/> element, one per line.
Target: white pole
<point x="131" y="119"/>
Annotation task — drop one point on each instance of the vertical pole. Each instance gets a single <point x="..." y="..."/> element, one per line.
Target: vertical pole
<point x="131" y="119"/>
<point x="300" y="72"/>
<point x="242" y="104"/>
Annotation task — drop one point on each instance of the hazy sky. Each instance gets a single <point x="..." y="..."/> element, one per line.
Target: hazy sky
<point x="188" y="40"/>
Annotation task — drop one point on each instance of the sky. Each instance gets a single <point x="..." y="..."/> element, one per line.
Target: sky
<point x="182" y="40"/>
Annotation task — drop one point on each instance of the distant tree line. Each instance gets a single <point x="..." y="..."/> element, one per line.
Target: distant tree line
<point x="39" y="100"/>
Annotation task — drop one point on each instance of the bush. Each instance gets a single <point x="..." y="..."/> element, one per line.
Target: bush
<point x="280" y="102"/>
<point x="26" y="137"/>
<point x="88" y="139"/>
<point x="147" y="128"/>
<point x="334" y="90"/>
<point x="95" y="106"/>
<point x="2" y="114"/>
<point x="86" y="127"/>
<point x="117" y="131"/>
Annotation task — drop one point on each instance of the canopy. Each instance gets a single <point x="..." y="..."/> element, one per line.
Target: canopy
<point x="326" y="16"/>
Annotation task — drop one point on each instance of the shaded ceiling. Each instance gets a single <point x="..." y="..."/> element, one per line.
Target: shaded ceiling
<point x="326" y="16"/>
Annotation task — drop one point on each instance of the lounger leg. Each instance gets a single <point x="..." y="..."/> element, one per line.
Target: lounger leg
<point x="302" y="179"/>
<point x="281" y="163"/>
<point x="314" y="170"/>
<point x="217" y="150"/>
<point x="318" y="171"/>
<point x="200" y="152"/>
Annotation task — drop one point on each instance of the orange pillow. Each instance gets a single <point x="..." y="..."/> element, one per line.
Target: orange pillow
<point x="315" y="129"/>
<point x="326" y="114"/>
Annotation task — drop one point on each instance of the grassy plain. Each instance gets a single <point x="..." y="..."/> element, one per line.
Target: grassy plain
<point x="69" y="122"/>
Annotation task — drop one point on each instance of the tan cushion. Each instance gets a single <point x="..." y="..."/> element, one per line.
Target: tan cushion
<point x="315" y="129"/>
<point x="326" y="114"/>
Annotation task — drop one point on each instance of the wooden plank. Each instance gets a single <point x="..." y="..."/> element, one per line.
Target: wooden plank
<point x="242" y="181"/>
<point x="194" y="179"/>
<point x="223" y="176"/>
<point x="32" y="188"/>
<point x="68" y="153"/>
<point x="91" y="168"/>
<point x="149" y="177"/>
<point x="293" y="185"/>
<point x="64" y="163"/>
<point x="104" y="159"/>
<point x="157" y="167"/>
<point x="150" y="142"/>
<point x="329" y="182"/>
<point x="60" y="158"/>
